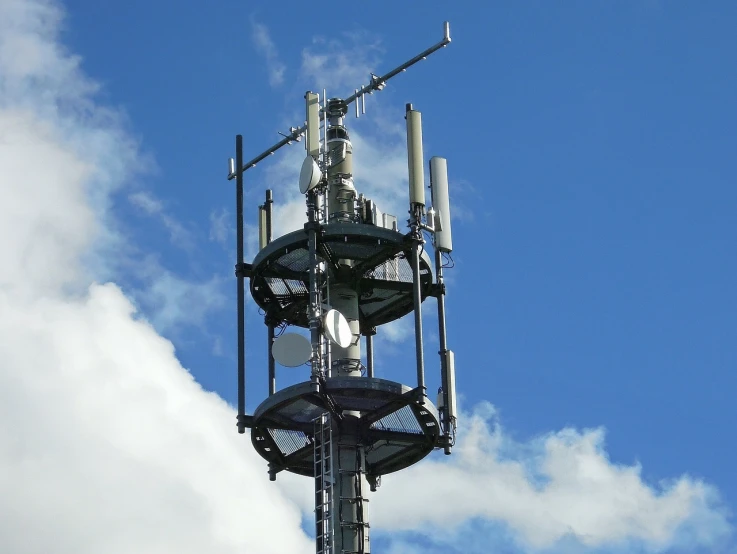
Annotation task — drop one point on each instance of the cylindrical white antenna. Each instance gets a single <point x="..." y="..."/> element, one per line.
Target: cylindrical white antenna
<point x="231" y="167"/>
<point x="312" y="105"/>
<point x="441" y="202"/>
<point x="262" y="230"/>
<point x="414" y="157"/>
<point x="451" y="408"/>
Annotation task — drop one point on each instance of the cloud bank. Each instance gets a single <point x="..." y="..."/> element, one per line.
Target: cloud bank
<point x="106" y="443"/>
<point x="555" y="487"/>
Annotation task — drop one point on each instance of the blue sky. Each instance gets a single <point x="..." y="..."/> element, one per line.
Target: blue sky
<point x="592" y="156"/>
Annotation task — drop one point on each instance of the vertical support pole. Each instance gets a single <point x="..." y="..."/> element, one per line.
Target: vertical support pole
<point x="268" y="205"/>
<point x="240" y="292"/>
<point x="370" y="352"/>
<point x="445" y="415"/>
<point x="272" y="363"/>
<point x="312" y="227"/>
<point x="417" y="298"/>
<point x="416" y="211"/>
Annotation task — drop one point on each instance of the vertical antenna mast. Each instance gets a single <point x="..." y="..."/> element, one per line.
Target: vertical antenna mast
<point x="240" y="273"/>
<point x="345" y="274"/>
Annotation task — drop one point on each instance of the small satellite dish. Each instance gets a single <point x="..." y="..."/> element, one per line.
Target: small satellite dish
<point x="337" y="328"/>
<point x="291" y="350"/>
<point x="309" y="175"/>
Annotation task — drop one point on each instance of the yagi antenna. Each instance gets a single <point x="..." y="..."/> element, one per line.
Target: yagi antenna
<point x="376" y="83"/>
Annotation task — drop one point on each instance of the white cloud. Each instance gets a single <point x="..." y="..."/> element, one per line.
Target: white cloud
<point x="106" y="443"/>
<point x="559" y="486"/>
<point x="399" y="330"/>
<point x="151" y="206"/>
<point x="344" y="64"/>
<point x="556" y="493"/>
<point x="170" y="301"/>
<point x="220" y="228"/>
<point x="265" y="46"/>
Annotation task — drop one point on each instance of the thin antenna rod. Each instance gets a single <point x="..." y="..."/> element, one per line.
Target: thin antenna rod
<point x="241" y="296"/>
<point x="377" y="83"/>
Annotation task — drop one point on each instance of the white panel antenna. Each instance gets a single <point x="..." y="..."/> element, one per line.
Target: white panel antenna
<point x="262" y="238"/>
<point x="441" y="202"/>
<point x="451" y="408"/>
<point x="414" y="157"/>
<point x="312" y="107"/>
<point x="389" y="222"/>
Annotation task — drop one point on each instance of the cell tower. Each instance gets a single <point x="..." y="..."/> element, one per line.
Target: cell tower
<point x="347" y="273"/>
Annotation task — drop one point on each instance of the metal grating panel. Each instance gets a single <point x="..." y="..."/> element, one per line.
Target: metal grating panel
<point x="297" y="287"/>
<point x="296" y="260"/>
<point x="289" y="441"/>
<point x="352" y="250"/>
<point x="300" y="410"/>
<point x="277" y="286"/>
<point x="395" y="269"/>
<point x="402" y="420"/>
<point x="358" y="403"/>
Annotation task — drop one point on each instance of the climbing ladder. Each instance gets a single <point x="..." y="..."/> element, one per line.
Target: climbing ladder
<point x="323" y="445"/>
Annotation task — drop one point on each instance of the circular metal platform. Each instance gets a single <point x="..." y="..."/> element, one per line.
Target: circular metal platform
<point x="395" y="428"/>
<point x="379" y="270"/>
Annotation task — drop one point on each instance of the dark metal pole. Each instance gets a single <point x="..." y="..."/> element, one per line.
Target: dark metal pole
<point x="241" y="293"/>
<point x="445" y="415"/>
<point x="272" y="364"/>
<point x="417" y="295"/>
<point x="270" y="322"/>
<point x="370" y="352"/>
<point x="269" y="206"/>
<point x="312" y="227"/>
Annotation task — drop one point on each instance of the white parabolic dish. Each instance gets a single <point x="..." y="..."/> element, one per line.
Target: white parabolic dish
<point x="309" y="175"/>
<point x="291" y="350"/>
<point x="337" y="328"/>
